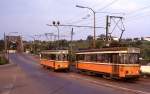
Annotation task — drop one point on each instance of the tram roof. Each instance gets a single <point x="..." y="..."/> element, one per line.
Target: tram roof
<point x="54" y="52"/>
<point x="110" y="50"/>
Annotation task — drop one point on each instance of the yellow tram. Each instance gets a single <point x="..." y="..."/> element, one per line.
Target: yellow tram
<point x="55" y="59"/>
<point x="113" y="62"/>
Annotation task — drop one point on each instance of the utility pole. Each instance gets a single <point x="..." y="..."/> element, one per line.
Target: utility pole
<point x="71" y="50"/>
<point x="94" y="37"/>
<point x="5" y="43"/>
<point x="107" y="29"/>
<point x="5" y="47"/>
<point x="71" y="40"/>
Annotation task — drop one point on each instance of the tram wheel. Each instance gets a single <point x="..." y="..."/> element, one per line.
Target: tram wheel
<point x="106" y="76"/>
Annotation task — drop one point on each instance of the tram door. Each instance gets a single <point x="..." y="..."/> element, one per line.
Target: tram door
<point x="115" y="65"/>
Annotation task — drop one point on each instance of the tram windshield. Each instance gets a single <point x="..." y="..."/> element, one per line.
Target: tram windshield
<point x="129" y="58"/>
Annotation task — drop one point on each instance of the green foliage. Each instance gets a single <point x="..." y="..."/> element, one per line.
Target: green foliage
<point x="145" y="48"/>
<point x="3" y="60"/>
<point x="100" y="44"/>
<point x="146" y="53"/>
<point x="38" y="46"/>
<point x="1" y="45"/>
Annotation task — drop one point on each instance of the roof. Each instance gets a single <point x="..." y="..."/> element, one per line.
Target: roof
<point x="54" y="52"/>
<point x="110" y="50"/>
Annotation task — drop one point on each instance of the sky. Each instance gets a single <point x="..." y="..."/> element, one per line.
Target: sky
<point x="29" y="17"/>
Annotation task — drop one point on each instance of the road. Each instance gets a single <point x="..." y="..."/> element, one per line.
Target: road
<point x="33" y="79"/>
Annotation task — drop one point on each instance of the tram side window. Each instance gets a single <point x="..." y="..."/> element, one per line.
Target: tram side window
<point x="44" y="56"/>
<point x="124" y="59"/>
<point x="62" y="57"/>
<point x="58" y="57"/>
<point x="53" y="57"/>
<point x="104" y="58"/>
<point x="94" y="57"/>
<point x="87" y="57"/>
<point x="80" y="57"/>
<point x="115" y="58"/>
<point x="133" y="58"/>
<point x="99" y="58"/>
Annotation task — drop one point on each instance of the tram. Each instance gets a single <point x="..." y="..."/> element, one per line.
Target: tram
<point x="55" y="59"/>
<point x="112" y="62"/>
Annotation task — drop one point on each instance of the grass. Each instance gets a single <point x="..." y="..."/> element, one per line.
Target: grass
<point x="3" y="60"/>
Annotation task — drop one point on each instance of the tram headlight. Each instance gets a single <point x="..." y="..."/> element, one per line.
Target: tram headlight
<point x="138" y="71"/>
<point x="58" y="66"/>
<point x="126" y="72"/>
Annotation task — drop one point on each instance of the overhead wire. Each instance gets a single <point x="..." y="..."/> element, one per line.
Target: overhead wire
<point x="80" y="20"/>
<point x="140" y="9"/>
<point x="108" y="5"/>
<point x="77" y="15"/>
<point x="137" y="11"/>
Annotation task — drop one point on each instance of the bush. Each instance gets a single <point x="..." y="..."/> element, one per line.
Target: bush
<point x="3" y="60"/>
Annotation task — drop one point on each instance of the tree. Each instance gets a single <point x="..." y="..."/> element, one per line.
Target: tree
<point x="2" y="45"/>
<point x="101" y="37"/>
<point x="89" y="39"/>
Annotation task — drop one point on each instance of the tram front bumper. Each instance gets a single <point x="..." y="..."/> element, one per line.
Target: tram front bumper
<point x="132" y="76"/>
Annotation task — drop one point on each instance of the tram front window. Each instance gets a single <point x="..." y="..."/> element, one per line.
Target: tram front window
<point x="62" y="57"/>
<point x="133" y="58"/>
<point x="80" y="57"/>
<point x="44" y="56"/>
<point x="129" y="58"/>
<point x="52" y="56"/>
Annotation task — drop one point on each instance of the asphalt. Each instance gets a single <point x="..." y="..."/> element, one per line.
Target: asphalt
<point x="28" y="77"/>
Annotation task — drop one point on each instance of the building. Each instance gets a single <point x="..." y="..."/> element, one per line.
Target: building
<point x="116" y="38"/>
<point x="146" y="38"/>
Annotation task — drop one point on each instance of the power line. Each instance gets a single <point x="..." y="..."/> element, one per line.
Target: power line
<point x="111" y="3"/>
<point x="77" y="21"/>
<point x="85" y="20"/>
<point x="99" y="9"/>
<point x="111" y="13"/>
<point x="137" y="17"/>
<point x="81" y="13"/>
<point x="137" y="13"/>
<point x="140" y="9"/>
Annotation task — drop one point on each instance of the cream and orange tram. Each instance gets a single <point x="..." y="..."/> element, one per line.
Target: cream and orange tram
<point x="55" y="59"/>
<point x="114" y="62"/>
